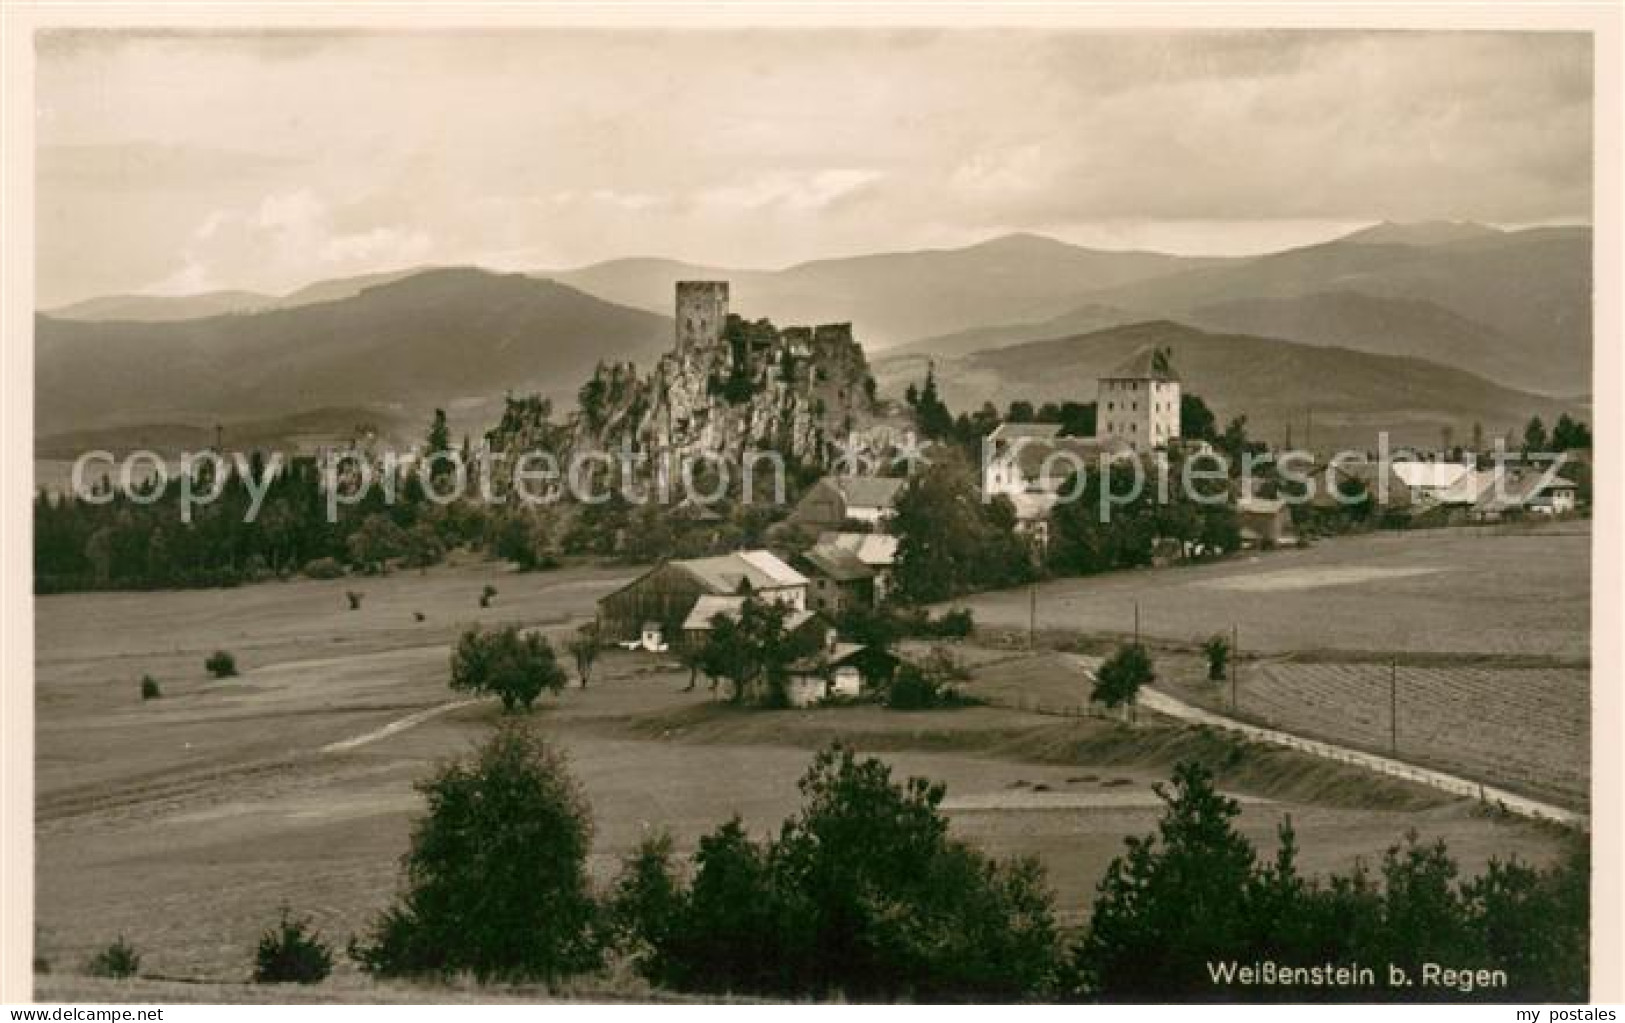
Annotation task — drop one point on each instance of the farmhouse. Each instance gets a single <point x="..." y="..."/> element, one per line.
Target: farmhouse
<point x="1516" y="490"/>
<point x="841" y="669"/>
<point x="876" y="550"/>
<point x="668" y="592"/>
<point x="836" y="500"/>
<point x="807" y="629"/>
<point x="1138" y="402"/>
<point x="839" y="579"/>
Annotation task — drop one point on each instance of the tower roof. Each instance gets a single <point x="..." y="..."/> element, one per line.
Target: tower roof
<point x="1148" y="363"/>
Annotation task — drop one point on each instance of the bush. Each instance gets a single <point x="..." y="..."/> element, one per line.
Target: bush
<point x="513" y="667"/>
<point x="495" y="879"/>
<point x="910" y="689"/>
<point x="1217" y="650"/>
<point x="1197" y="893"/>
<point x="486" y="595"/>
<point x="292" y="952"/>
<point x="221" y="664"/>
<point x="354" y="598"/>
<point x="149" y="688"/>
<point x="863" y="892"/>
<point x="324" y="568"/>
<point x="1120" y="676"/>
<point x="118" y="960"/>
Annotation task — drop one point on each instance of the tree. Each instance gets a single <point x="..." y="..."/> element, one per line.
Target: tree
<point x="422" y="546"/>
<point x="1217" y="649"/>
<point x="1120" y="676"/>
<point x="516" y="668"/>
<point x="583" y="647"/>
<point x="1535" y="440"/>
<point x="220" y="664"/>
<point x="378" y="540"/>
<point x="292" y="952"/>
<point x="1196" y="420"/>
<point x="437" y="448"/>
<point x="950" y="541"/>
<point x="117" y="961"/>
<point x="495" y="879"/>
<point x="863" y="892"/>
<point x="1171" y="900"/>
<point x="752" y="650"/>
<point x="1570" y="435"/>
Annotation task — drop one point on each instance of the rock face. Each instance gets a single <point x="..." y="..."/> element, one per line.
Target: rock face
<point x="730" y="387"/>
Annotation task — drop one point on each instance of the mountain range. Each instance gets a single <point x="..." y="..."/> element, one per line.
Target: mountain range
<point x="1485" y="318"/>
<point x="1325" y="394"/>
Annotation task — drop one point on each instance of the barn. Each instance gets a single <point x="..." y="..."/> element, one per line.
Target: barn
<point x="668" y="592"/>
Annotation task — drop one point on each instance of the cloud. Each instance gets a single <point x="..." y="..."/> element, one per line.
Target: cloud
<point x="286" y="240"/>
<point x="350" y="152"/>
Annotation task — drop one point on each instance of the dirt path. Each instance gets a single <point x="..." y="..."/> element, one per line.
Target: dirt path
<point x="1170" y="706"/>
<point x="394" y="727"/>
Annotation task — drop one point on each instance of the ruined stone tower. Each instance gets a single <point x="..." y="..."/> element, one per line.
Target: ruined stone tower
<point x="702" y="311"/>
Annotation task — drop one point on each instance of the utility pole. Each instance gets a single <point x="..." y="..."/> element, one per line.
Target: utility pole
<point x="1235" y="655"/>
<point x="1393" y="706"/>
<point x="1136" y="623"/>
<point x="1032" y="616"/>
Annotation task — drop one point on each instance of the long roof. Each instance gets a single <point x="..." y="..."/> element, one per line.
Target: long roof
<point x="838" y="563"/>
<point x="725" y="573"/>
<point x="877" y="550"/>
<point x="869" y="491"/>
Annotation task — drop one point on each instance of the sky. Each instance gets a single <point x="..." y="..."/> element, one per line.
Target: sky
<point x="173" y="163"/>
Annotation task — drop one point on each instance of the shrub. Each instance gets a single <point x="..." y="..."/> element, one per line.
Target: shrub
<point x="1217" y="649"/>
<point x="515" y="668"/>
<point x="495" y="879"/>
<point x="1120" y="676"/>
<point x="292" y="952"/>
<point x="354" y="598"/>
<point x="486" y="595"/>
<point x="862" y="892"/>
<point x="118" y="960"/>
<point x="149" y="688"/>
<point x="221" y="664"/>
<point x="911" y="689"/>
<point x="324" y="568"/>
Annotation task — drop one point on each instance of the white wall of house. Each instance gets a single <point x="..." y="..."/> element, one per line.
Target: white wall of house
<point x="1143" y="413"/>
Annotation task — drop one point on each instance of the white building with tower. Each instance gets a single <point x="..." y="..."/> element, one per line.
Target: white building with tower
<point x="1138" y="402"/>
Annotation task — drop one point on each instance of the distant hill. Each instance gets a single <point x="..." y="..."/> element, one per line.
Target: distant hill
<point x="1083" y="320"/>
<point x="301" y="431"/>
<point x="898" y="296"/>
<point x="162" y="308"/>
<point x="169" y="308"/>
<point x="1427" y="232"/>
<point x="1522" y="299"/>
<point x="1273" y="382"/>
<point x="428" y="339"/>
<point x="1385" y="326"/>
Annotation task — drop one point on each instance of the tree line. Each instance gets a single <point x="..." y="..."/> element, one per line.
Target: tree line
<point x="864" y="893"/>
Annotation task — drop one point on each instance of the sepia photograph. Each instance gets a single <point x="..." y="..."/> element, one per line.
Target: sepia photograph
<point x="672" y="510"/>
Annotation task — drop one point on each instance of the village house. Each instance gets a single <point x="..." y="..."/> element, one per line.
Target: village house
<point x="877" y="550"/>
<point x="834" y="501"/>
<point x="838" y="579"/>
<point x="668" y="592"/>
<point x="1264" y="522"/>
<point x="842" y="669"/>
<point x="807" y="629"/>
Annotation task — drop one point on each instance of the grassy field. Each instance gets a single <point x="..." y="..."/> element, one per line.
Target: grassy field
<point x="1525" y="728"/>
<point x="184" y="823"/>
<point x="1458" y="591"/>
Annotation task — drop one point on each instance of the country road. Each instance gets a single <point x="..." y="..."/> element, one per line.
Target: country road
<point x="1170" y="706"/>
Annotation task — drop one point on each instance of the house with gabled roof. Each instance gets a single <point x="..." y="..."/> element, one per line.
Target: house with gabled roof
<point x="668" y="592"/>
<point x="836" y="500"/>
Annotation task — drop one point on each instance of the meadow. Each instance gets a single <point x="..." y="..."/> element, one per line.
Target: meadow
<point x="185" y="822"/>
